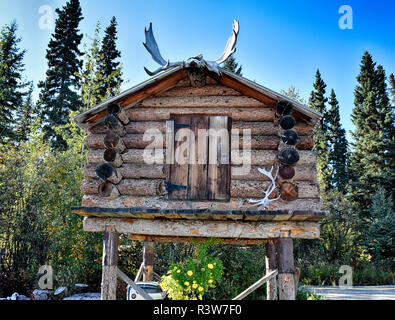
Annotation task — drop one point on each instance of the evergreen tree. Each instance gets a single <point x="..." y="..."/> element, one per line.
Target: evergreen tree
<point x="233" y="66"/>
<point x="11" y="82"/>
<point x="110" y="67"/>
<point x="392" y="89"/>
<point x="372" y="162"/>
<point x="321" y="139"/>
<point x="26" y="116"/>
<point x="58" y="92"/>
<point x="338" y="157"/>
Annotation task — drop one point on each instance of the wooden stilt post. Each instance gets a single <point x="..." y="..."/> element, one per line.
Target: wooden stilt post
<point x="109" y="264"/>
<point x="286" y="269"/>
<point x="271" y="288"/>
<point x="148" y="261"/>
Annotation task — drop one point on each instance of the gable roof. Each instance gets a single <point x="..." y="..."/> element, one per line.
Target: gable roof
<point x="166" y="79"/>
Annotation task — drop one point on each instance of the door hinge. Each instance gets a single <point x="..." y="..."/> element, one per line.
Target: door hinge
<point x="169" y="187"/>
<point x="182" y="125"/>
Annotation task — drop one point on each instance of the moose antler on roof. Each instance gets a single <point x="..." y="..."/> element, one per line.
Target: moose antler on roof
<point x="152" y="47"/>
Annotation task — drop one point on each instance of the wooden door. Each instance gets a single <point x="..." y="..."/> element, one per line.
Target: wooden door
<point x="201" y="149"/>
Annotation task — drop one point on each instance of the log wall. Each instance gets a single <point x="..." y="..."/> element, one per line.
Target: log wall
<point x="142" y="183"/>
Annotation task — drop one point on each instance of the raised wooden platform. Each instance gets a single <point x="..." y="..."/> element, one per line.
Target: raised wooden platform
<point x="201" y="214"/>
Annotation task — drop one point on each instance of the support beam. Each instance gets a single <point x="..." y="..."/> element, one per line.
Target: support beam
<point x="286" y="269"/>
<point x="109" y="263"/>
<point x="271" y="265"/>
<point x="148" y="261"/>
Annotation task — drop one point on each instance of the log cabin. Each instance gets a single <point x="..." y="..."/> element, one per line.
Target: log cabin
<point x="197" y="153"/>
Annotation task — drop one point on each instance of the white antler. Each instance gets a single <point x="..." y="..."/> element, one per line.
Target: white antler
<point x="153" y="49"/>
<point x="266" y="201"/>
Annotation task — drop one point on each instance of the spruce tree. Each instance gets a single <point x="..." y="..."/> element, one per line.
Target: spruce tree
<point x="110" y="67"/>
<point x="12" y="84"/>
<point x="321" y="139"/>
<point x="371" y="163"/>
<point x="233" y="66"/>
<point x="26" y="116"/>
<point x="338" y="157"/>
<point x="59" y="95"/>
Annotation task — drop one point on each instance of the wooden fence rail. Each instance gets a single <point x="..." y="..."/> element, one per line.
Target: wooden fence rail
<point x="256" y="285"/>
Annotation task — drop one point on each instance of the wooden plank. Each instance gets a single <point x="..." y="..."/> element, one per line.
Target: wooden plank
<point x="271" y="265"/>
<point x="199" y="101"/>
<point x="256" y="285"/>
<point x="207" y="90"/>
<point x="148" y="261"/>
<point x="286" y="269"/>
<point x="237" y="114"/>
<point x="206" y="228"/>
<point x="179" y="171"/>
<point x="199" y="158"/>
<point x="125" y="278"/>
<point x="218" y="181"/>
<point x="238" y="241"/>
<point x="109" y="263"/>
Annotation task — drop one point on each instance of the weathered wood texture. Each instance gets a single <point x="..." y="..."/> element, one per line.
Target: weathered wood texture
<point x="93" y="200"/>
<point x="206" y="229"/>
<point x="148" y="261"/>
<point x="109" y="262"/>
<point x="267" y="278"/>
<point x="286" y="268"/>
<point x="271" y="265"/>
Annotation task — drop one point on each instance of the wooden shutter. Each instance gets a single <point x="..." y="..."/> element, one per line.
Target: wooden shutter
<point x="201" y="179"/>
<point x="218" y="187"/>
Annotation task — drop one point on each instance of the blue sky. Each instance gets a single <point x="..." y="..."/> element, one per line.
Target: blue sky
<point x="281" y="43"/>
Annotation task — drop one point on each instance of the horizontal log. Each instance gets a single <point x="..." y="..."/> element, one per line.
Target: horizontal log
<point x="96" y="141"/>
<point x="207" y="90"/>
<point x="164" y="203"/>
<point x="256" y="189"/>
<point x="131" y="171"/>
<point x="237" y="114"/>
<point x="302" y="173"/>
<point x="263" y="128"/>
<point x="199" y="101"/>
<point x="206" y="229"/>
<point x="142" y="156"/>
<point x="140" y="187"/>
<point x="237" y="241"/>
<point x="257" y="142"/>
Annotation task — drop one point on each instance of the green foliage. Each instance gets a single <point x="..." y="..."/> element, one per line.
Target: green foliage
<point x="366" y="274"/>
<point x="192" y="278"/>
<point x="303" y="294"/>
<point x="338" y="154"/>
<point x="321" y="140"/>
<point x="101" y="76"/>
<point x="12" y="85"/>
<point x="294" y="94"/>
<point x="372" y="162"/>
<point x="379" y="232"/>
<point x="59" y="96"/>
<point x="233" y="66"/>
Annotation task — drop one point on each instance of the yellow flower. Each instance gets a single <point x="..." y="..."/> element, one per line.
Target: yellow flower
<point x="200" y="289"/>
<point x="178" y="271"/>
<point x="210" y="281"/>
<point x="210" y="266"/>
<point x="189" y="273"/>
<point x="186" y="283"/>
<point x="194" y="286"/>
